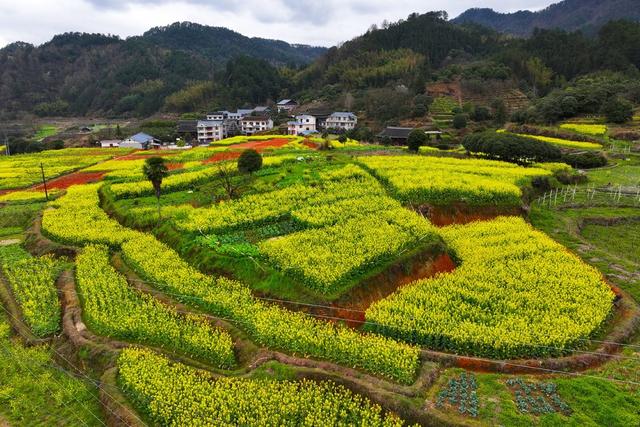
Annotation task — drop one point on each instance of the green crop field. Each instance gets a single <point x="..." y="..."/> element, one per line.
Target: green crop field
<point x="314" y="284"/>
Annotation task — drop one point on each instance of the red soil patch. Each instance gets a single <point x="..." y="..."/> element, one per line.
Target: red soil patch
<point x="174" y="166"/>
<point x="261" y="145"/>
<point x="224" y="155"/>
<point x="75" y="178"/>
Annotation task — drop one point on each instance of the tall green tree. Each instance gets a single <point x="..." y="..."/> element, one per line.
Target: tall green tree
<point x="155" y="170"/>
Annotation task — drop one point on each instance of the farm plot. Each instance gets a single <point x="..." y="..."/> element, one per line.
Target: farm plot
<point x="348" y="228"/>
<point x="565" y="143"/>
<point x="445" y="181"/>
<point x="517" y="293"/>
<point x="171" y="393"/>
<point x="112" y="309"/>
<point x="23" y="170"/>
<point x="32" y="281"/>
<point x="269" y="325"/>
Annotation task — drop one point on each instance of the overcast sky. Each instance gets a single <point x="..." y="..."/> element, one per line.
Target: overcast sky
<point x="318" y="22"/>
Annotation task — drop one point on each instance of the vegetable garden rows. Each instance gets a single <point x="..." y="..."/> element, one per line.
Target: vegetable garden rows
<point x="514" y="294"/>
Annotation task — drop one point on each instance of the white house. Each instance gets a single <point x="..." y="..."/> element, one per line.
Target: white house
<point x="303" y="124"/>
<point x="341" y="120"/>
<point x="211" y="130"/>
<point x="141" y="141"/>
<point x="286" y="105"/>
<point x="254" y="124"/>
<point x="218" y="115"/>
<point x="110" y="143"/>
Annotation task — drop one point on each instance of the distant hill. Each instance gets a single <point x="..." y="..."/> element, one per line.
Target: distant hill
<point x="569" y="15"/>
<point x="220" y="44"/>
<point x="79" y="74"/>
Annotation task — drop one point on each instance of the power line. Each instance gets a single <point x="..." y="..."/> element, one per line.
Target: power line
<point x="377" y="324"/>
<point x="83" y="375"/>
<point x="33" y="374"/>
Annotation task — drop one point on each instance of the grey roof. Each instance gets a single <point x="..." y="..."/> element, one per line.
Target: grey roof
<point x="210" y="122"/>
<point x="261" y="109"/>
<point x="142" y="138"/>
<point x="255" y="119"/>
<point x="286" y="101"/>
<point x="342" y="114"/>
<point x="245" y="111"/>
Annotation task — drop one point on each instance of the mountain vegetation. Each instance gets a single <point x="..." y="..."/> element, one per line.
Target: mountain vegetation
<point x="94" y="74"/>
<point x="570" y="15"/>
<point x="384" y="74"/>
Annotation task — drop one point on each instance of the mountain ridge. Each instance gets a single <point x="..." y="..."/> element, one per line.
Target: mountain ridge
<point x="569" y="15"/>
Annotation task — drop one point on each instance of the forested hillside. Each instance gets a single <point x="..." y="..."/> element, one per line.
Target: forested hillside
<point x="570" y="15"/>
<point x="383" y="74"/>
<point x="79" y="74"/>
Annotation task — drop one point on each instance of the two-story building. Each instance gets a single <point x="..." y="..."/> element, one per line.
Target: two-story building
<point x="302" y="125"/>
<point x="211" y="130"/>
<point x="341" y="120"/>
<point x="250" y="125"/>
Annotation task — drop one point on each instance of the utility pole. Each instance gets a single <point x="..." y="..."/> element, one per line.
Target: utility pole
<point x="44" y="182"/>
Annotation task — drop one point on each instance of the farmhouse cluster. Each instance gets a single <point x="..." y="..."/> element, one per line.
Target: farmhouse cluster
<point x="219" y="125"/>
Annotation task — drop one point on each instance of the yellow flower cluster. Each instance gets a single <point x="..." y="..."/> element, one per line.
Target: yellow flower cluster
<point x="345" y="183"/>
<point x="76" y="218"/>
<point x="270" y="325"/>
<point x="26" y="196"/>
<point x="517" y="293"/>
<point x="175" y="394"/>
<point x="173" y="182"/>
<point x="32" y="281"/>
<point x="587" y="129"/>
<point x="329" y="259"/>
<point x="112" y="308"/>
<point x="565" y="142"/>
<point x="23" y="170"/>
<point x="443" y="181"/>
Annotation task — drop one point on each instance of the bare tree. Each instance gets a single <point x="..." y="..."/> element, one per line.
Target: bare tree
<point x="229" y="179"/>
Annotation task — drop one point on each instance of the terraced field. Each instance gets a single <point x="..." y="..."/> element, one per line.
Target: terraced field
<point x="319" y="291"/>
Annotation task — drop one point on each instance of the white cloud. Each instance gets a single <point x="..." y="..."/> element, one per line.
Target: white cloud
<point x="297" y="21"/>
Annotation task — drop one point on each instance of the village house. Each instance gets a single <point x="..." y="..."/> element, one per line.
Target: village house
<point x="211" y="130"/>
<point x="397" y="135"/>
<point x="341" y="120"/>
<point x="302" y="125"/>
<point x="140" y="141"/>
<point x="110" y="143"/>
<point x="250" y="125"/>
<point x="286" y="105"/>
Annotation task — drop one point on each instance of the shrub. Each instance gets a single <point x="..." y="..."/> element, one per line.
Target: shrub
<point x="618" y="110"/>
<point x="249" y="161"/>
<point x="342" y="139"/>
<point x="510" y="148"/>
<point x="417" y="138"/>
<point x="460" y="121"/>
<point x="585" y="160"/>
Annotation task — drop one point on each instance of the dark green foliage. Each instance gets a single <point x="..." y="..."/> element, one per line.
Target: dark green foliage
<point x="481" y="113"/>
<point x="249" y="161"/>
<point x="618" y="110"/>
<point x="537" y="398"/>
<point x="460" y="121"/>
<point x="587" y="160"/>
<point x="461" y="393"/>
<point x="510" y="148"/>
<point x="342" y="138"/>
<point x="155" y="170"/>
<point x="417" y="138"/>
